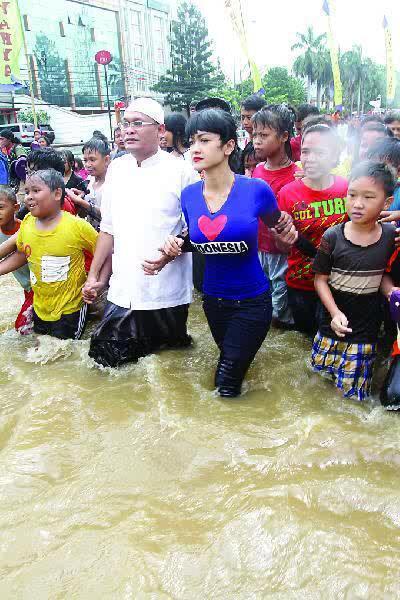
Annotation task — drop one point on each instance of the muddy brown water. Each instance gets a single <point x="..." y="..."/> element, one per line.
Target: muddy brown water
<point x="141" y="484"/>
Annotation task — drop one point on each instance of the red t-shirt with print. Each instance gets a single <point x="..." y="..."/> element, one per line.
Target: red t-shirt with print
<point x="313" y="212"/>
<point x="276" y="180"/>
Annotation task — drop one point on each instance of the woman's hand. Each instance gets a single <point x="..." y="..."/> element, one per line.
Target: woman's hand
<point x="286" y="237"/>
<point x="77" y="197"/>
<point x="173" y="246"/>
<point x="389" y="216"/>
<point x="339" y="324"/>
<point x="284" y="220"/>
<point x="153" y="267"/>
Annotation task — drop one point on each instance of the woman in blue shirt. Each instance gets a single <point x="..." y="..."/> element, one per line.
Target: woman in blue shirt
<point x="222" y="214"/>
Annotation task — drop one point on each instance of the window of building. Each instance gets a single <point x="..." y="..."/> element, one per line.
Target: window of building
<point x="92" y="34"/>
<point x="138" y="52"/>
<point x="136" y="24"/>
<point x="62" y="30"/>
<point x="27" y="25"/>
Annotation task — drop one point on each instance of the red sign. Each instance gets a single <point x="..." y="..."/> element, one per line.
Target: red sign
<point x="103" y="57"/>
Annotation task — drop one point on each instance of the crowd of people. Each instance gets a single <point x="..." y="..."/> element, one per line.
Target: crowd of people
<point x="297" y="229"/>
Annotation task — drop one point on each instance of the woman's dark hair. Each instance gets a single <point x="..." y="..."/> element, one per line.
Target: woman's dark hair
<point x="46" y="139"/>
<point x="386" y="150"/>
<point x="279" y="118"/>
<point x="8" y="135"/>
<point x="97" y="144"/>
<point x="253" y="102"/>
<point x="215" y="120"/>
<point x="176" y="124"/>
<point x="79" y="162"/>
<point x="69" y="158"/>
<point x="379" y="172"/>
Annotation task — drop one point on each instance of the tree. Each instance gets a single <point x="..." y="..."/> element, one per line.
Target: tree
<point x="281" y="87"/>
<point x="26" y="116"/>
<point x="192" y="75"/>
<point x="324" y="75"/>
<point x="52" y="74"/>
<point x="306" y="64"/>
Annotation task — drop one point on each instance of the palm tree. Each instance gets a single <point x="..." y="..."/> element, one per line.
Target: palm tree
<point x="324" y="75"/>
<point x="305" y="64"/>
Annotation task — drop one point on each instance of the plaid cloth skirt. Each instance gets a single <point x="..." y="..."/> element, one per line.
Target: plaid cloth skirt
<point x="349" y="365"/>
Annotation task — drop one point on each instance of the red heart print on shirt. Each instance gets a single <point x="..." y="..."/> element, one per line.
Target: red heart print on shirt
<point x="211" y="228"/>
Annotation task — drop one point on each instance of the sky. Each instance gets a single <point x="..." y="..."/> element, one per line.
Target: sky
<point x="272" y="28"/>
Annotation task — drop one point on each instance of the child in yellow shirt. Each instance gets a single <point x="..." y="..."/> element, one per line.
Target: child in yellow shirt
<point x="52" y="241"/>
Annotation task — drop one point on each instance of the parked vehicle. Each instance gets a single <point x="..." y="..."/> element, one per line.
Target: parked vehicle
<point x="22" y="131"/>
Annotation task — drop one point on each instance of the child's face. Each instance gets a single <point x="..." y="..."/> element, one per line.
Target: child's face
<point x="250" y="164"/>
<point x="40" y="200"/>
<point x="394" y="126"/>
<point x="266" y="142"/>
<point x="7" y="212"/>
<point x="318" y="156"/>
<point x="366" y="199"/>
<point x="95" y="163"/>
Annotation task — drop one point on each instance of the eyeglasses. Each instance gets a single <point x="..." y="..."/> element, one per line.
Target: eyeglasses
<point x="135" y="124"/>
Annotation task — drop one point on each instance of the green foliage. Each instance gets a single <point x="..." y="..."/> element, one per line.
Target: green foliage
<point x="278" y="84"/>
<point x="308" y="63"/>
<point x="192" y="75"/>
<point x="51" y="68"/>
<point x="26" y="116"/>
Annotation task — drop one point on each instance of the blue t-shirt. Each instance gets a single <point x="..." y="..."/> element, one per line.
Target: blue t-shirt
<point x="228" y="238"/>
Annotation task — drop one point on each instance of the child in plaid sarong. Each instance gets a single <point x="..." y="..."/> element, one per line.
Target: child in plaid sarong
<point x="349" y="267"/>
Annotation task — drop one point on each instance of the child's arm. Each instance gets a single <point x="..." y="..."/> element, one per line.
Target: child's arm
<point x="12" y="263"/>
<point x="100" y="270"/>
<point x="9" y="246"/>
<point x="339" y="321"/>
<point x="387" y="286"/>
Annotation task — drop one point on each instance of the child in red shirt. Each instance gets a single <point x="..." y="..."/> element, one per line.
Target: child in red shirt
<point x="271" y="139"/>
<point x="315" y="203"/>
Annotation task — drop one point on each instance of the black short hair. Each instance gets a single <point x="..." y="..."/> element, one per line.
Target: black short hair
<point x="214" y="120"/>
<point x="97" y="145"/>
<point x="327" y="129"/>
<point x="317" y="120"/>
<point x="53" y="179"/>
<point x="176" y="124"/>
<point x="393" y="115"/>
<point x="45" y="158"/>
<point x="247" y="152"/>
<point x="213" y="103"/>
<point x="305" y="110"/>
<point x="279" y="118"/>
<point x="79" y="162"/>
<point x="46" y="139"/>
<point x="8" y="192"/>
<point x="376" y="126"/>
<point x="8" y="135"/>
<point x="386" y="150"/>
<point x="254" y="102"/>
<point x="370" y="119"/>
<point x="379" y="172"/>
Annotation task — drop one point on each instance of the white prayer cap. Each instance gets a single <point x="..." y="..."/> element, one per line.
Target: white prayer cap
<point x="149" y="107"/>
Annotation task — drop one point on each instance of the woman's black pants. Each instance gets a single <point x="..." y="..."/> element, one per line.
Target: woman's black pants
<point x="238" y="327"/>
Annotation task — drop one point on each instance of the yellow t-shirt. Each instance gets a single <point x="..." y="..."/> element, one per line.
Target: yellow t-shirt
<point x="56" y="263"/>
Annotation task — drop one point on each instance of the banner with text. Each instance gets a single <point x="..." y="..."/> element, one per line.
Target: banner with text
<point x="11" y="40"/>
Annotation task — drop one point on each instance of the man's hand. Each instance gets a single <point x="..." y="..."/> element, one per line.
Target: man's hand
<point x="389" y="216"/>
<point x="172" y="246"/>
<point x="153" y="267"/>
<point x="284" y="220"/>
<point x="286" y="238"/>
<point x="339" y="324"/>
<point x="77" y="197"/>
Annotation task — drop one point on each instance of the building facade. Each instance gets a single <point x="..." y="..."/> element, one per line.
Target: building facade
<point x="63" y="37"/>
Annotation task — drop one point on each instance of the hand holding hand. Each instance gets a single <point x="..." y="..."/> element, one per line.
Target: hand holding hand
<point x="172" y="246"/>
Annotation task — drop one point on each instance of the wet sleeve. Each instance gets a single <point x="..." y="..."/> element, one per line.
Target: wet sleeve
<point x="323" y="260"/>
<point x="19" y="242"/>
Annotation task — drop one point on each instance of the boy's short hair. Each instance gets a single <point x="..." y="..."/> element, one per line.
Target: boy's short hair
<point x="97" y="145"/>
<point x="45" y="158"/>
<point x="8" y="193"/>
<point x="317" y="120"/>
<point x="53" y="180"/>
<point x="393" y="115"/>
<point x="370" y="119"/>
<point x="253" y="102"/>
<point x="379" y="172"/>
<point x="305" y="110"/>
<point x="377" y="126"/>
<point x="386" y="150"/>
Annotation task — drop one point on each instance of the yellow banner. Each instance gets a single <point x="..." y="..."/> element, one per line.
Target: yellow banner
<point x="234" y="10"/>
<point x="338" y="92"/>
<point x="11" y="41"/>
<point x="390" y="71"/>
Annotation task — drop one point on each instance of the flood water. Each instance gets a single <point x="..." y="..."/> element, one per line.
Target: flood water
<point x="141" y="484"/>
